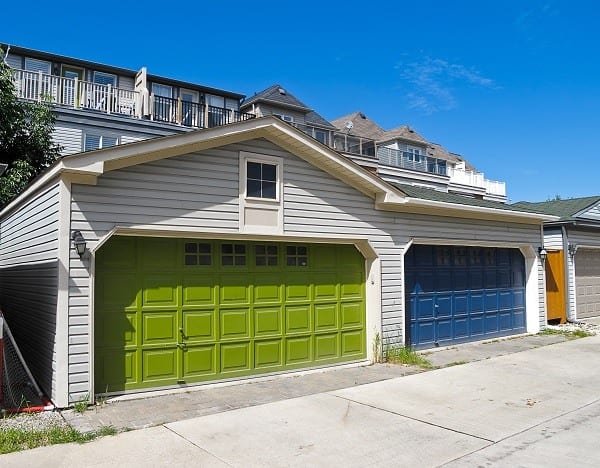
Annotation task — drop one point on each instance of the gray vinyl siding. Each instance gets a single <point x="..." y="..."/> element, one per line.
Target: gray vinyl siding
<point x="68" y="138"/>
<point x="592" y="213"/>
<point x="268" y="109"/>
<point x="28" y="281"/>
<point x="583" y="238"/>
<point x="14" y="61"/>
<point x="553" y="239"/>
<point x="199" y="192"/>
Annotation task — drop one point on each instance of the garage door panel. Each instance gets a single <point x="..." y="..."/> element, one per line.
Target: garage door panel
<point x="234" y="323"/>
<point x="298" y="319"/>
<point x="159" y="364"/>
<point x="352" y="343"/>
<point x="234" y="289"/>
<point x="117" y="329"/>
<point x="476" y="294"/>
<point x="268" y="293"/>
<point x="159" y="327"/>
<point x="327" y="346"/>
<point x="587" y="280"/>
<point x="235" y="357"/>
<point x="199" y="290"/>
<point x="298" y="350"/>
<point x="268" y="354"/>
<point x="267" y="321"/>
<point x="352" y="314"/>
<point x="199" y="325"/>
<point x="200" y="361"/>
<point x="224" y="310"/>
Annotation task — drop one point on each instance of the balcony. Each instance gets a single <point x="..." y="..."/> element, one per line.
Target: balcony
<point x="406" y="160"/>
<point x="193" y="114"/>
<point x="71" y="92"/>
<point x="476" y="179"/>
<point x="78" y="94"/>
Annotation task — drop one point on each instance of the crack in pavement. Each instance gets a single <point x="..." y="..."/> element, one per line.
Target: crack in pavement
<point x="196" y="445"/>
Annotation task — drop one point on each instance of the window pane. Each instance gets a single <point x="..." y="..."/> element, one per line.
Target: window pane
<point x="190" y="260"/>
<point x="240" y="261"/>
<point x="272" y="261"/>
<point x="269" y="172"/>
<point x="227" y="260"/>
<point x="259" y="249"/>
<point x="253" y="170"/>
<point x="108" y="141"/>
<point x="227" y="248"/>
<point x="253" y="188"/>
<point x="291" y="261"/>
<point x="204" y="248"/>
<point x="191" y="247"/>
<point x="92" y="142"/>
<point x="240" y="249"/>
<point x="301" y="250"/>
<point x="272" y="249"/>
<point x="105" y="79"/>
<point x="260" y="261"/>
<point x="269" y="190"/>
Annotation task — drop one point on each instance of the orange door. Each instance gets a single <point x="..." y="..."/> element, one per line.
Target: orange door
<point x="555" y="286"/>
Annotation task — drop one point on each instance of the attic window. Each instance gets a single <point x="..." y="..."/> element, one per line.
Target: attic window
<point x="281" y="91"/>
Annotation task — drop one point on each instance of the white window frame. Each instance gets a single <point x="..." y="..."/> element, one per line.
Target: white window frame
<point x="271" y="206"/>
<point x="273" y="161"/>
<point x="285" y="117"/>
<point x="101" y="137"/>
<point x="110" y="75"/>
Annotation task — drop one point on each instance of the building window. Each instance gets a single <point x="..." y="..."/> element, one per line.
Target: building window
<point x="296" y="255"/>
<point x="233" y="254"/>
<point x="198" y="253"/>
<point x="105" y="79"/>
<point x="266" y="255"/>
<point x="285" y="118"/>
<point x="35" y="65"/>
<point x="93" y="141"/>
<point x="261" y="180"/>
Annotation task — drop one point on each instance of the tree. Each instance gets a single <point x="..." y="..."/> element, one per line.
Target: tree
<point x="26" y="143"/>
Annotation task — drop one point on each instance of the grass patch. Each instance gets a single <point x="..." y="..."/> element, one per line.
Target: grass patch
<point x="81" y="406"/>
<point x="404" y="355"/>
<point x="16" y="439"/>
<point x="570" y="334"/>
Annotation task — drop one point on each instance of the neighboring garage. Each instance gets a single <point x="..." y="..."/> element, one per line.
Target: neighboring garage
<point x="587" y="280"/>
<point x="175" y="311"/>
<point x="456" y="294"/>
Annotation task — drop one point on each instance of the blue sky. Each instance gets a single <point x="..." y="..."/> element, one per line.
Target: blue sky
<point x="513" y="86"/>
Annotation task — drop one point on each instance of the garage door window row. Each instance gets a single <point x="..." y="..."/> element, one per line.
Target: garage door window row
<point x="236" y="254"/>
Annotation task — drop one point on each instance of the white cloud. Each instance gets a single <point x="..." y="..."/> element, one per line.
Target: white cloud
<point x="431" y="83"/>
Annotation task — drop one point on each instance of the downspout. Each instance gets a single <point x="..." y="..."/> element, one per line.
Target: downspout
<point x="567" y="273"/>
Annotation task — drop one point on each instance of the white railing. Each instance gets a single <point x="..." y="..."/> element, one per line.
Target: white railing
<point x="476" y="179"/>
<point x="71" y="92"/>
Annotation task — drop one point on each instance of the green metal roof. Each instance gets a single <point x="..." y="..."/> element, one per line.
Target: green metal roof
<point x="435" y="195"/>
<point x="565" y="209"/>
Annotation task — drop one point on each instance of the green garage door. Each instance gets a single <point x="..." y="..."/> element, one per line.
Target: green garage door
<point x="177" y="311"/>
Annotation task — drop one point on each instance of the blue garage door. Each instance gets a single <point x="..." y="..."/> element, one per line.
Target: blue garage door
<point x="456" y="294"/>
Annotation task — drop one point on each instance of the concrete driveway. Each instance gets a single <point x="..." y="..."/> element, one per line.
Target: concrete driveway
<point x="539" y="407"/>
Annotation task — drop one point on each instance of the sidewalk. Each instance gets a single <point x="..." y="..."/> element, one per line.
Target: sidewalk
<point x="163" y="407"/>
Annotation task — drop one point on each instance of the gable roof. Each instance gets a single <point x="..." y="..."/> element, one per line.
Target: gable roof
<point x="362" y="126"/>
<point x="567" y="210"/>
<point x="403" y="132"/>
<point x="278" y="95"/>
<point x="86" y="167"/>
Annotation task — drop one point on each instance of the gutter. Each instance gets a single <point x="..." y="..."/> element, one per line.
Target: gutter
<point x="421" y="203"/>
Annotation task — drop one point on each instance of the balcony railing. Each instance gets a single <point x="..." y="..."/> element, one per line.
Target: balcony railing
<point x="476" y="179"/>
<point x="71" y="92"/>
<point x="193" y="114"/>
<point x="406" y="160"/>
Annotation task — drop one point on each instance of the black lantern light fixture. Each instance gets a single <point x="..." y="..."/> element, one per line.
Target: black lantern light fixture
<point x="78" y="242"/>
<point x="543" y="254"/>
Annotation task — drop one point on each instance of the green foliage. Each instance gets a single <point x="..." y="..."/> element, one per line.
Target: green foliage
<point x="407" y="356"/>
<point x="13" y="440"/>
<point x="26" y="143"/>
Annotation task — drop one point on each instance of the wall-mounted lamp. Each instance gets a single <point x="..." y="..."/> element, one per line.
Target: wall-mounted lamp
<point x="573" y="249"/>
<point x="543" y="254"/>
<point x="78" y="242"/>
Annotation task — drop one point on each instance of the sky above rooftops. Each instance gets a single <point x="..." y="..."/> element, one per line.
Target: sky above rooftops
<point x="512" y="86"/>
